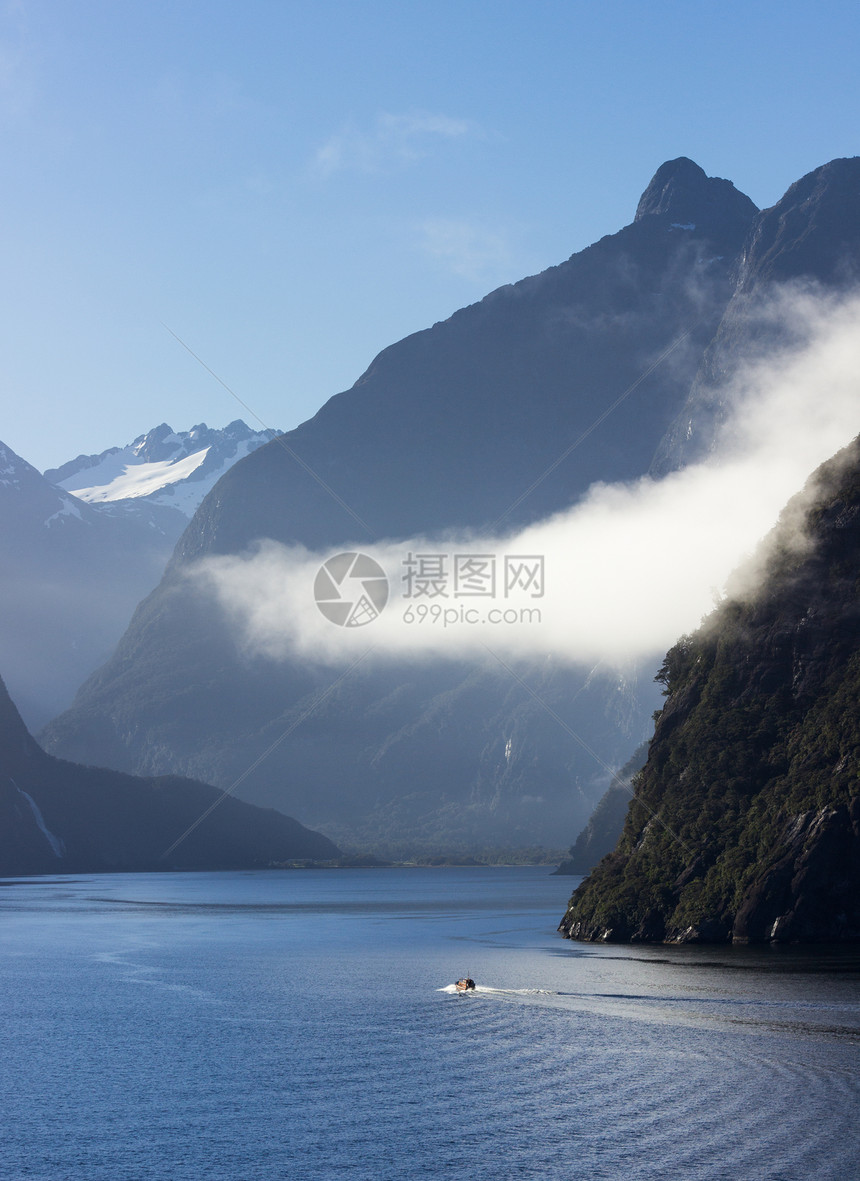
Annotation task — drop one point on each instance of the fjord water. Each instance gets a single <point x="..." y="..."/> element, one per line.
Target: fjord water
<point x="254" y="1026"/>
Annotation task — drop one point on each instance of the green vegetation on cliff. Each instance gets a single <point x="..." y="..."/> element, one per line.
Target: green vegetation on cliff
<point x="745" y="824"/>
<point x="605" y="826"/>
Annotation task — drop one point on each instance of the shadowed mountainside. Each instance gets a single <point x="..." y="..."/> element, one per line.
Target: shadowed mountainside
<point x="808" y="242"/>
<point x="745" y="825"/>
<point x="75" y="566"/>
<point x="58" y="817"/>
<point x="606" y="823"/>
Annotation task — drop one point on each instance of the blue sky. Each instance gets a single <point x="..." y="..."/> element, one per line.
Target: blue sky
<point x="291" y="187"/>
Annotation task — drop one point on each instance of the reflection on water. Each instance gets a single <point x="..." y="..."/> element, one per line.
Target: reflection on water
<point x="253" y="1026"/>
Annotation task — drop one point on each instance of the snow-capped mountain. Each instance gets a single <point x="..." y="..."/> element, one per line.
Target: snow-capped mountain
<point x="165" y="467"/>
<point x="71" y="574"/>
<point x="83" y="544"/>
<point x="31" y="501"/>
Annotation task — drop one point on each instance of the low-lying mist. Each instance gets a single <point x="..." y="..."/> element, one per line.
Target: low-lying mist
<point x="618" y="576"/>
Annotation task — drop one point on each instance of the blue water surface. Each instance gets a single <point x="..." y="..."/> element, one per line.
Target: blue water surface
<point x="247" y="1027"/>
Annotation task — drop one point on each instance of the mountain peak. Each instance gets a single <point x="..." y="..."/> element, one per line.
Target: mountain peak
<point x="682" y="193"/>
<point x="811" y="232"/>
<point x="163" y="466"/>
<point x="681" y="177"/>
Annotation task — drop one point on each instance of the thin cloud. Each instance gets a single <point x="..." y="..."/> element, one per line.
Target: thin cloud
<point x="474" y="252"/>
<point x="394" y="141"/>
<point x="20" y="64"/>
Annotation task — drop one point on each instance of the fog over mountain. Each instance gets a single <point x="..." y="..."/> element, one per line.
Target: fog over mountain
<point x="524" y="425"/>
<point x="770" y="436"/>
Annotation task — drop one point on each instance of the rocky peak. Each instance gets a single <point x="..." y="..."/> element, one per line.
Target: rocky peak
<point x="158" y="444"/>
<point x="813" y="232"/>
<point x="686" y="198"/>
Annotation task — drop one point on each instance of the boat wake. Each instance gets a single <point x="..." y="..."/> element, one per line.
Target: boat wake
<point x="484" y="990"/>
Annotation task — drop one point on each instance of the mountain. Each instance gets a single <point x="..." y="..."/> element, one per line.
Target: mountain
<point x="83" y="544"/>
<point x="70" y="579"/>
<point x="56" y="816"/>
<point x="606" y="823"/>
<point x="164" y="467"/>
<point x="745" y="824"/>
<point x="447" y="428"/>
<point x="808" y="241"/>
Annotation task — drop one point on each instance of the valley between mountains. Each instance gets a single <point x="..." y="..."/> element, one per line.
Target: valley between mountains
<point x="620" y="365"/>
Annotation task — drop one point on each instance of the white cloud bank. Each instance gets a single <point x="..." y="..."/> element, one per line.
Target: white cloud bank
<point x="627" y="570"/>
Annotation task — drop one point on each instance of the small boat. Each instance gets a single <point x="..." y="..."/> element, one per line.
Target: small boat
<point x="467" y="984"/>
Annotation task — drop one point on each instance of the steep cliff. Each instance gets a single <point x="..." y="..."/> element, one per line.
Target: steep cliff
<point x="808" y="241"/>
<point x="745" y="825"/>
<point x="606" y="823"/>
<point x="58" y="817"/>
